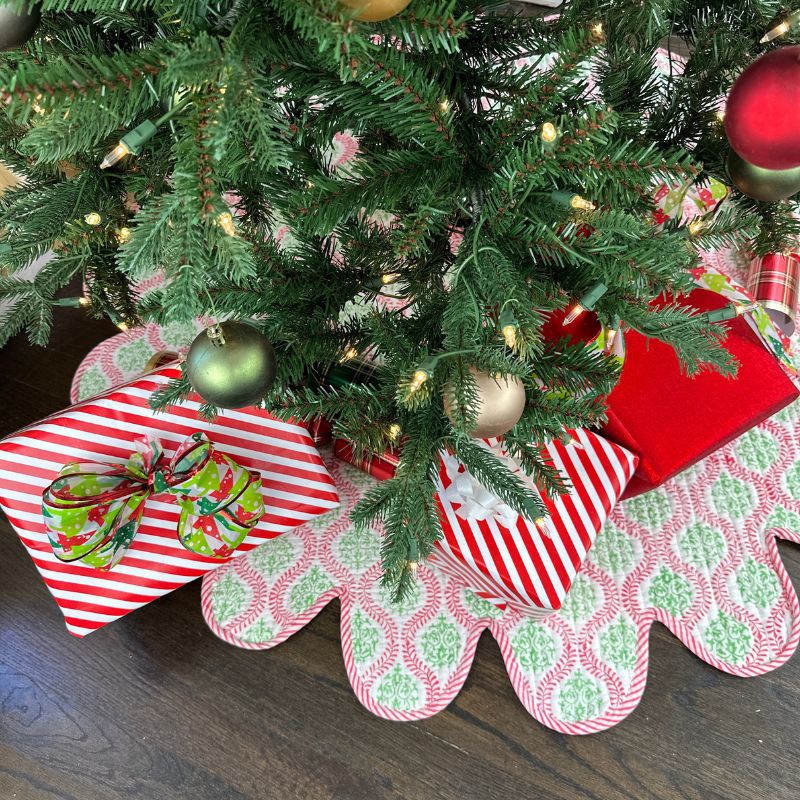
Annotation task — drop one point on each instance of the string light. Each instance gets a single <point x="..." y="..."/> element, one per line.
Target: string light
<point x="117" y="154"/>
<point x="424" y="371"/>
<point x="420" y="376"/>
<point x="123" y="235"/>
<point x="225" y="221"/>
<point x="118" y="321"/>
<point x="727" y="312"/>
<point x="572" y="200"/>
<point x="348" y="355"/>
<point x="378" y="282"/>
<point x="730" y="311"/>
<point x="781" y="28"/>
<point x="93" y="218"/>
<point x="597" y="30"/>
<point x="394" y="431"/>
<point x="720" y="115"/>
<point x="412" y="565"/>
<point x="549" y="132"/>
<point x="508" y="327"/>
<point x="576" y="443"/>
<point x="695" y="226"/>
<point x="580" y="202"/>
<point x="73" y="302"/>
<point x="586" y="303"/>
<point x="133" y="141"/>
<point x="444" y="105"/>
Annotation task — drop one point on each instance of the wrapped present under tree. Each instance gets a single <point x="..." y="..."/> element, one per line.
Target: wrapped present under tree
<point x="118" y="505"/>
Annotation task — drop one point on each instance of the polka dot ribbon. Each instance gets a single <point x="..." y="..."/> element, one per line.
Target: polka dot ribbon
<point x="92" y="511"/>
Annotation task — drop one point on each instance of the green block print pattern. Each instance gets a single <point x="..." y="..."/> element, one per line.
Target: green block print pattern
<point x="534" y="647"/>
<point x="580" y="698"/>
<point x="228" y="598"/>
<point x="671" y="592"/>
<point x="732" y="498"/>
<point x="399" y="690"/>
<point x="581" y="669"/>
<point x="618" y="644"/>
<point x="701" y="546"/>
<point x="757" y="450"/>
<point x="440" y="644"/>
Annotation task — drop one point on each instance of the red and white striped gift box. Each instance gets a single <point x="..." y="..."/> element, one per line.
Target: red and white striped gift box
<point x="296" y="487"/>
<point x="518" y="564"/>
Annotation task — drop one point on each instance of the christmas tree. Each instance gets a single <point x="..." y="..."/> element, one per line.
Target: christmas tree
<point x="506" y="171"/>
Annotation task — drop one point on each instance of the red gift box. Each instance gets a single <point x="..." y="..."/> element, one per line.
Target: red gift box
<point x="670" y="420"/>
<point x="295" y="487"/>
<point x="320" y="430"/>
<point x="381" y="466"/>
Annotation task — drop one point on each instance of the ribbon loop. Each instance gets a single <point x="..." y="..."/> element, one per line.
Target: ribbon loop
<point x="474" y="502"/>
<point x="92" y="511"/>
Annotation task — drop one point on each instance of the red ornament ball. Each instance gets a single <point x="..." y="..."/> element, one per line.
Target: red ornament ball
<point x="762" y="116"/>
<point x="586" y="328"/>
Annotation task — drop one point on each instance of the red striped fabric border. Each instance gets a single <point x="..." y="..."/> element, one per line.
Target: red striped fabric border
<point x="520" y="566"/>
<point x="295" y="483"/>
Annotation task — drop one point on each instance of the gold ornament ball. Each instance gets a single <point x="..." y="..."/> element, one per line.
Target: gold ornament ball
<point x="376" y="10"/>
<point x="234" y="370"/>
<point x="501" y="401"/>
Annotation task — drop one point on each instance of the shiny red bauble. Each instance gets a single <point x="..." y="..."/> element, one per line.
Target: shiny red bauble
<point x="762" y="116"/>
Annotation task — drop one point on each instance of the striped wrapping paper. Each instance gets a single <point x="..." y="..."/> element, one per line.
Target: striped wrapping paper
<point x="296" y="487"/>
<point x="521" y="566"/>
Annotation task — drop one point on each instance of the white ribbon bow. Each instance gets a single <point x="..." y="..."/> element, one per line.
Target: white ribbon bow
<point x="475" y="501"/>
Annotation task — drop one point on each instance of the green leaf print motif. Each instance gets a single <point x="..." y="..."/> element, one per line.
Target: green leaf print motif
<point x="398" y="689"/>
<point x="534" y="647"/>
<point x="672" y="592"/>
<point x="227" y="598"/>
<point x="440" y="644"/>
<point x="580" y="698"/>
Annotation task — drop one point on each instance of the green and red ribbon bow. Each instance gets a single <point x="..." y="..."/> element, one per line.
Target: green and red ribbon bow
<point x="92" y="511"/>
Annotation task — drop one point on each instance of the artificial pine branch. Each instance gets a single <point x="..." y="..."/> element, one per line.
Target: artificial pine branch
<point x="456" y="198"/>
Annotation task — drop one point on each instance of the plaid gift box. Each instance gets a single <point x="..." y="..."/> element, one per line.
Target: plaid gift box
<point x="294" y="484"/>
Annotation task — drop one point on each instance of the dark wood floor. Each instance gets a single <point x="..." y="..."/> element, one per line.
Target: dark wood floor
<point x="154" y="707"/>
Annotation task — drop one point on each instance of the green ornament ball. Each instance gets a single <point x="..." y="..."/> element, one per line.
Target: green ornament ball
<point x="231" y="370"/>
<point x="762" y="184"/>
<point x="16" y="29"/>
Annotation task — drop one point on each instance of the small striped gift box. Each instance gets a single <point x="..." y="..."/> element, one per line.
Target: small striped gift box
<point x="295" y="486"/>
<point x="513" y="561"/>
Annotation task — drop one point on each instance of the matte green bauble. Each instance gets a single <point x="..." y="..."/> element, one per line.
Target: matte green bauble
<point x="762" y="184"/>
<point x="231" y="365"/>
<point x="16" y="29"/>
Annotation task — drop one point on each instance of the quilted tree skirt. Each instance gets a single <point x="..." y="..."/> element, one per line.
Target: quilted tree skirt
<point x="698" y="555"/>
